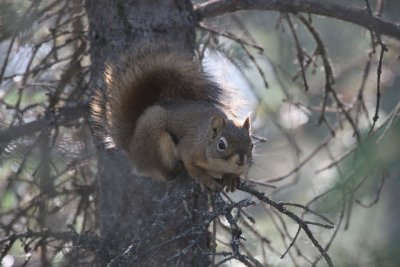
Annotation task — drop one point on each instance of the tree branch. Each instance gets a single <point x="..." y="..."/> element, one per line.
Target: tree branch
<point x="302" y="224"/>
<point x="65" y="115"/>
<point x="349" y="14"/>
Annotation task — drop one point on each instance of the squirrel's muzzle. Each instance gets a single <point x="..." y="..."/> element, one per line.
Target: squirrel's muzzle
<point x="241" y="159"/>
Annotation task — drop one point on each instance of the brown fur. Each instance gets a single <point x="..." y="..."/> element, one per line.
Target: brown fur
<point x="147" y="77"/>
<point x="157" y="95"/>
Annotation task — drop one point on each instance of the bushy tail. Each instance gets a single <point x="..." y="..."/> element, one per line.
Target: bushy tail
<point x="146" y="77"/>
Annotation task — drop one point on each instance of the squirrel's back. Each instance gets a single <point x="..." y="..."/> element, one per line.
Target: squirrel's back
<point x="149" y="76"/>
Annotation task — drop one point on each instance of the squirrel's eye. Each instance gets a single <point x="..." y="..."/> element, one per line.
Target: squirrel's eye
<point x="222" y="144"/>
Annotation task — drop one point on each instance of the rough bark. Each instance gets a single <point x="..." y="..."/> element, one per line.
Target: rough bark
<point x="135" y="213"/>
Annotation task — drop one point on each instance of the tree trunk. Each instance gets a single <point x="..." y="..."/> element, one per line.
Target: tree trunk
<point x="136" y="215"/>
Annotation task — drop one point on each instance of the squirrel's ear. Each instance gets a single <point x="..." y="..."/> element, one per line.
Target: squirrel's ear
<point x="217" y="124"/>
<point x="246" y="124"/>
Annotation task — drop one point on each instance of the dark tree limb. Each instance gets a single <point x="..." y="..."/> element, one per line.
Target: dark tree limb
<point x="86" y="240"/>
<point x="64" y="116"/>
<point x="353" y="15"/>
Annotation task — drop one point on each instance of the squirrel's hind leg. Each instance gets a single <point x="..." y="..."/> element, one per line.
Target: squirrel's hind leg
<point x="170" y="174"/>
<point x="169" y="156"/>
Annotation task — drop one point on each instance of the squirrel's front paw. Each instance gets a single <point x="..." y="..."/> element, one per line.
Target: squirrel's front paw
<point x="231" y="181"/>
<point x="210" y="183"/>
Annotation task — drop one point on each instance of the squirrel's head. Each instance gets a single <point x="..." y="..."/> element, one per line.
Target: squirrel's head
<point x="230" y="147"/>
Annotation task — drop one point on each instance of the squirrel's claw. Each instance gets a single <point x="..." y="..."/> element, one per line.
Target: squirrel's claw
<point x="210" y="183"/>
<point x="214" y="185"/>
<point x="231" y="181"/>
<point x="202" y="187"/>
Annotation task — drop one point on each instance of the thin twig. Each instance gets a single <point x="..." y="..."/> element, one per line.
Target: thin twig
<point x="298" y="220"/>
<point x="300" y="52"/>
